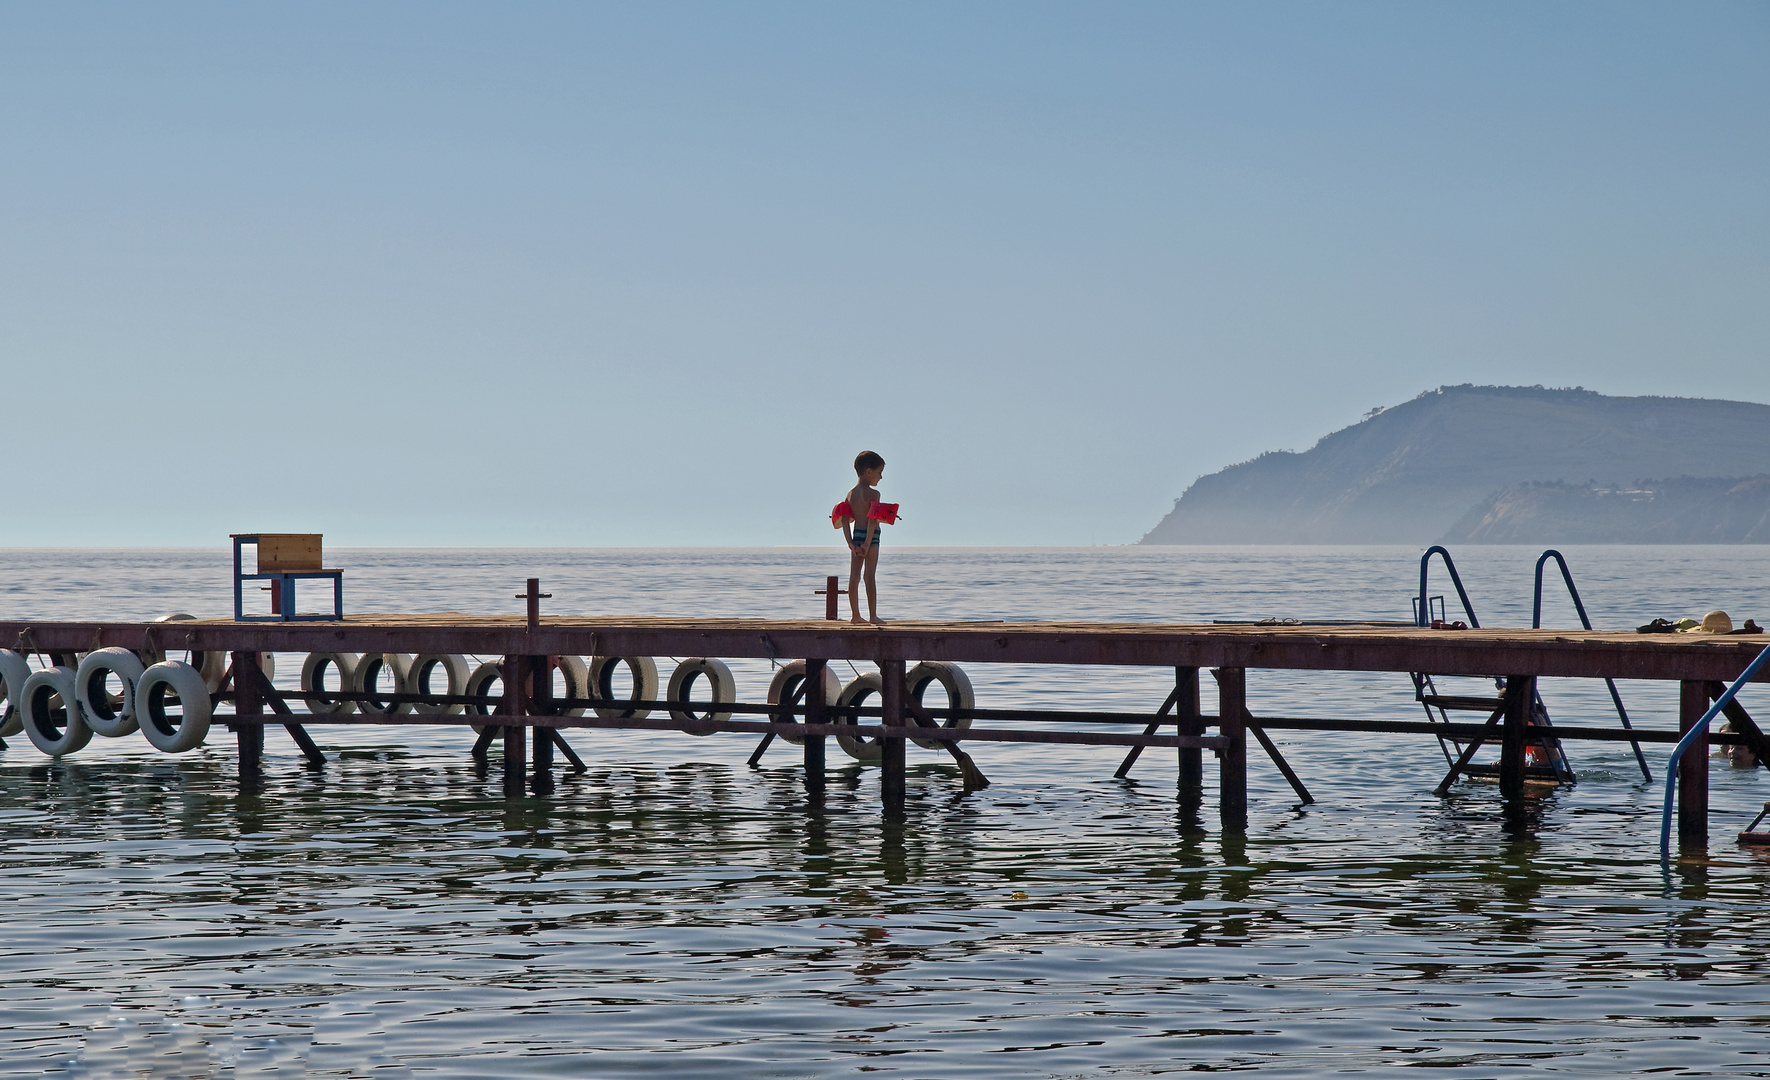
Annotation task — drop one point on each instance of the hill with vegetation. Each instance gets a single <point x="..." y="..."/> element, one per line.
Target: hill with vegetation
<point x="1442" y="464"/>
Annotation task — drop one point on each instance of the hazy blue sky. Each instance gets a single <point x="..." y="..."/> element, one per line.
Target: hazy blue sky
<point x="568" y="274"/>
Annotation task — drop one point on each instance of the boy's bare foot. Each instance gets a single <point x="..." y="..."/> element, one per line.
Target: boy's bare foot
<point x="858" y="621"/>
<point x="878" y="621"/>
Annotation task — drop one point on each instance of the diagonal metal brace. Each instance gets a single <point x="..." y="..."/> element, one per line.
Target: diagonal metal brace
<point x="1271" y="749"/>
<point x="314" y="755"/>
<point x="1468" y="753"/>
<point x="792" y="699"/>
<point x="974" y="778"/>
<point x="1155" y="725"/>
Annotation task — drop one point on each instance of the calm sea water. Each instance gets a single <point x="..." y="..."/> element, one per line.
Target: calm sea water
<point x="672" y="912"/>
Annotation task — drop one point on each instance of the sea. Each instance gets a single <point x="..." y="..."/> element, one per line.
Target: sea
<point x="671" y="911"/>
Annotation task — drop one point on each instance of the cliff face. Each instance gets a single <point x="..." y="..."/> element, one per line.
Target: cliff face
<point x="1715" y="510"/>
<point x="1411" y="473"/>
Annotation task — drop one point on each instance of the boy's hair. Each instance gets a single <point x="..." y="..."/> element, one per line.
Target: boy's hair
<point x="865" y="460"/>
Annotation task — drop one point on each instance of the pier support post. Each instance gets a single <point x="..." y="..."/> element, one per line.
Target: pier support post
<point x="1520" y="689"/>
<point x="1693" y="768"/>
<point x="1188" y="721"/>
<point x="891" y="748"/>
<point x="816" y="712"/>
<point x="248" y="702"/>
<point x="516" y="703"/>
<point x="541" y="704"/>
<point x="1232" y="800"/>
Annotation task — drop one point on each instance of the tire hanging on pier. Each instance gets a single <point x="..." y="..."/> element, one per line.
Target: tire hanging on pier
<point x="479" y="684"/>
<point x="110" y="716"/>
<point x="313" y="682"/>
<point x="417" y="681"/>
<point x="366" y="679"/>
<point x="645" y="684"/>
<point x="154" y="656"/>
<point x="719" y="681"/>
<point x="162" y="685"/>
<point x="14" y="670"/>
<point x="51" y="715"/>
<point x="787" y="681"/>
<point x="576" y="674"/>
<point x="859" y="747"/>
<point x="209" y="663"/>
<point x="951" y="678"/>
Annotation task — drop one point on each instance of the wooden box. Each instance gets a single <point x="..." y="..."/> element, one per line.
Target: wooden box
<point x="283" y="552"/>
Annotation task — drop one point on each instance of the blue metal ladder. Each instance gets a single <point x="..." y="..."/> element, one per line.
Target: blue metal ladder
<point x="1536" y="623"/>
<point x="1439" y="706"/>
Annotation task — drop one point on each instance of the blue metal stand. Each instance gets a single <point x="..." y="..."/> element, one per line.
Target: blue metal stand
<point x="284" y="582"/>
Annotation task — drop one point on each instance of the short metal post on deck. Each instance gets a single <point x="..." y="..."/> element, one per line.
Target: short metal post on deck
<point x="1693" y="767"/>
<point x="1188" y="721"/>
<point x="516" y="704"/>
<point x="891" y="747"/>
<point x="248" y="702"/>
<point x="816" y="712"/>
<point x="1232" y="799"/>
<point x="1520" y="689"/>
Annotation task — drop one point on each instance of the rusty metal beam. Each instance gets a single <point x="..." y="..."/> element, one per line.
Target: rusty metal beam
<point x="1084" y="738"/>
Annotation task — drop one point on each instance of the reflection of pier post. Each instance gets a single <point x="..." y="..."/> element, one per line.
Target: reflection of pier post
<point x="816" y="712"/>
<point x="1693" y="767"/>
<point x="1232" y="800"/>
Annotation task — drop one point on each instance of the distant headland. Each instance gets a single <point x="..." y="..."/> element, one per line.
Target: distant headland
<point x="1501" y="464"/>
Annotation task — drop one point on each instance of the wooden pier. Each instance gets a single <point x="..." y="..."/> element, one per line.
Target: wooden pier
<point x="526" y="718"/>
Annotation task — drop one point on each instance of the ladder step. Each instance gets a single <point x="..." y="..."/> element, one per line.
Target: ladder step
<point x="1468" y="704"/>
<point x="1531" y="772"/>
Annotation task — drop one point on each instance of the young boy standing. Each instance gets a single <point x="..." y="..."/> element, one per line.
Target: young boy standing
<point x="862" y="533"/>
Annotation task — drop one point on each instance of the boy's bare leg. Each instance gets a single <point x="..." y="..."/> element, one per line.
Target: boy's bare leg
<point x="855" y="562"/>
<point x="872" y="586"/>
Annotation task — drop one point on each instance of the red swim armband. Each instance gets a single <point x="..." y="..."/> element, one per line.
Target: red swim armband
<point x="880" y="511"/>
<point x="841" y="513"/>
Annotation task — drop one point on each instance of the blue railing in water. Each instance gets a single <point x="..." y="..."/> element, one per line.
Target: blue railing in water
<point x="1697" y="730"/>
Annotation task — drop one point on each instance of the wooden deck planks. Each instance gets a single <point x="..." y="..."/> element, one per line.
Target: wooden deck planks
<point x="1571" y="653"/>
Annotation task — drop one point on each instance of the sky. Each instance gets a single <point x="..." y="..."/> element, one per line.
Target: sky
<point x="590" y="274"/>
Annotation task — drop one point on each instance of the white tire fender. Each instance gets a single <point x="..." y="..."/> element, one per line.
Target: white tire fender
<point x="576" y="674"/>
<point x="949" y="677"/>
<point x="14" y="670"/>
<point x="159" y="684"/>
<point x="479" y="681"/>
<point x="313" y="682"/>
<point x="55" y="731"/>
<point x="719" y="681"/>
<point x="863" y="686"/>
<point x="211" y="663"/>
<point x="424" y="667"/>
<point x="366" y="679"/>
<point x="645" y="684"/>
<point x="787" y="680"/>
<point x="108" y="717"/>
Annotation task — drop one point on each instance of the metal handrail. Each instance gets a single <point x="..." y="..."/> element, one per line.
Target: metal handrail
<point x="1423" y="617"/>
<point x="1698" y="729"/>
<point x="1536" y="623"/>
